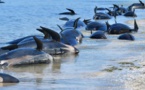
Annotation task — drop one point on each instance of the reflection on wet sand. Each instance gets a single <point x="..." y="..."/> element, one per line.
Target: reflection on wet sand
<point x="38" y="68"/>
<point x="58" y="60"/>
<point x="27" y="73"/>
<point x="7" y="84"/>
<point x="36" y="73"/>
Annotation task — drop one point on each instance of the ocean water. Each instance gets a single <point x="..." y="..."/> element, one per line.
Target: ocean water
<point x="110" y="64"/>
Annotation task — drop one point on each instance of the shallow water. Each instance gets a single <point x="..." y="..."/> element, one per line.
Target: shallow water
<point x="110" y="64"/>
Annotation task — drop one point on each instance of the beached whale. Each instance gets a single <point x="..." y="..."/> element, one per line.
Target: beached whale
<point x="119" y="28"/>
<point x="96" y="26"/>
<point x="130" y="14"/>
<point x="70" y="22"/>
<point x="52" y="46"/>
<point x="98" y="35"/>
<point x="5" y="78"/>
<point x="139" y="5"/>
<point x="26" y="55"/>
<point x="126" y="36"/>
<point x="71" y="35"/>
<point x="100" y="15"/>
<point x="23" y="40"/>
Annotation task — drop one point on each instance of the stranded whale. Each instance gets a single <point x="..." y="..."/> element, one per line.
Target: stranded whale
<point x="25" y="55"/>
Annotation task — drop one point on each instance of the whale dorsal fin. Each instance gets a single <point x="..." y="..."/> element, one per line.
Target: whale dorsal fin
<point x="10" y="47"/>
<point x="95" y="9"/>
<point x="72" y="11"/>
<point x="86" y="21"/>
<point x="46" y="35"/>
<point x="55" y="36"/>
<point x="108" y="25"/>
<point x="115" y="17"/>
<point x="141" y="3"/>
<point x="38" y="43"/>
<point x="135" y="25"/>
<point x="76" y="23"/>
<point x="116" y="6"/>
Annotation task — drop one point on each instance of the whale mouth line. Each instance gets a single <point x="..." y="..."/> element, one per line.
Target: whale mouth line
<point x="58" y="51"/>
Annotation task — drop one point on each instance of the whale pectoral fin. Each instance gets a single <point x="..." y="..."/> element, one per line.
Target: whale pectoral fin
<point x="10" y="47"/>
